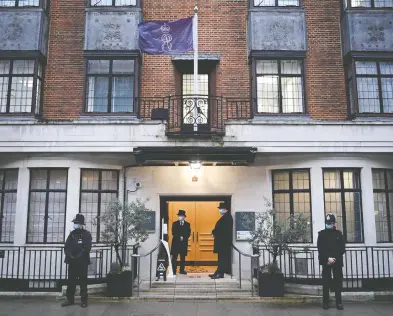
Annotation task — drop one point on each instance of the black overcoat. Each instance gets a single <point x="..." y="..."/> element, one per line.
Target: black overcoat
<point x="77" y="247"/>
<point x="331" y="244"/>
<point x="222" y="233"/>
<point x="179" y="246"/>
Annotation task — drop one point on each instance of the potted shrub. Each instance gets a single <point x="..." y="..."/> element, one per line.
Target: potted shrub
<point x="123" y="222"/>
<point x="276" y="236"/>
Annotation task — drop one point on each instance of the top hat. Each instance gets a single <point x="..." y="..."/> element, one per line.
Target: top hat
<point x="330" y="219"/>
<point x="182" y="213"/>
<point x="223" y="205"/>
<point x="79" y="219"/>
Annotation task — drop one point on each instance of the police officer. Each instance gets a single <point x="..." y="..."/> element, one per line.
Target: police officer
<point x="77" y="256"/>
<point x="331" y="248"/>
<point x="181" y="231"/>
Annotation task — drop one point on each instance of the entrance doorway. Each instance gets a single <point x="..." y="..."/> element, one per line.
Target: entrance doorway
<point x="202" y="214"/>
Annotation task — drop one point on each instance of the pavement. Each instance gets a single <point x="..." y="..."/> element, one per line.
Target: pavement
<point x="51" y="307"/>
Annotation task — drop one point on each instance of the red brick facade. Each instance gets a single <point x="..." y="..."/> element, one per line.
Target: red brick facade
<point x="222" y="30"/>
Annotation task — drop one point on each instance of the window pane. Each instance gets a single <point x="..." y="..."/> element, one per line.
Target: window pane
<point x="56" y="219"/>
<point x="351" y="180"/>
<point x="101" y="2"/>
<point x="267" y="67"/>
<point x="125" y="2"/>
<point x="23" y="67"/>
<point x="361" y="3"/>
<point x="386" y="68"/>
<point x="267" y="94"/>
<point x="292" y="95"/>
<point x="29" y="3"/>
<point x="301" y="180"/>
<point x="7" y="3"/>
<point x="3" y="94"/>
<point x="282" y="207"/>
<point x="383" y="3"/>
<point x="378" y="179"/>
<point x="281" y="181"/>
<point x="301" y="203"/>
<point x="98" y="67"/>
<point x="123" y="94"/>
<point x="368" y="95"/>
<point x="331" y="179"/>
<point x="188" y="84"/>
<point x="21" y="94"/>
<point x="8" y="217"/>
<point x="38" y="97"/>
<point x="391" y="214"/>
<point x="353" y="213"/>
<point x="390" y="179"/>
<point x="89" y="179"/>
<point x="58" y="179"/>
<point x="284" y="3"/>
<point x="366" y="67"/>
<point x="333" y="205"/>
<point x="109" y="180"/>
<point x="292" y="67"/>
<point x="89" y="208"/>
<point x="381" y="219"/>
<point x="110" y="2"/>
<point x="264" y="3"/>
<point x="123" y="67"/>
<point x="39" y="178"/>
<point x="4" y="67"/>
<point x="98" y="88"/>
<point x="11" y="179"/>
<point x="387" y="94"/>
<point x="35" y="230"/>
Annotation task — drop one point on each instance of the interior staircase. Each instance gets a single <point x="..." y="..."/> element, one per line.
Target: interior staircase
<point x="196" y="286"/>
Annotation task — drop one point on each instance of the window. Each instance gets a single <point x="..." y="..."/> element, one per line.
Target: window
<point x="374" y="82"/>
<point x="383" y="204"/>
<point x="370" y="3"/>
<point x="279" y="85"/>
<point x="292" y="194"/>
<point x="276" y="3"/>
<point x="112" y="3"/>
<point x="47" y="205"/>
<point x="110" y="86"/>
<point x="8" y="187"/>
<point x="19" y="3"/>
<point x="20" y="86"/>
<point x="342" y="194"/>
<point x="98" y="189"/>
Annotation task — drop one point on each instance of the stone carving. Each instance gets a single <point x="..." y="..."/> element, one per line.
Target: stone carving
<point x="368" y="31"/>
<point x="112" y="30"/>
<point x="270" y="30"/>
<point x="21" y="30"/>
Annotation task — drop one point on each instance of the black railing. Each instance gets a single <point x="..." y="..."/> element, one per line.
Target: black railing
<point x="207" y="113"/>
<point x="31" y="268"/>
<point x="365" y="268"/>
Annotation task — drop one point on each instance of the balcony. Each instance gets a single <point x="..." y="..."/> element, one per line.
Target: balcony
<point x="192" y="115"/>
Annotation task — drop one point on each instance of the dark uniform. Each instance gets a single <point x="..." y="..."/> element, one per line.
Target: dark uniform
<point x="331" y="244"/>
<point x="77" y="256"/>
<point x="222" y="233"/>
<point x="180" y="245"/>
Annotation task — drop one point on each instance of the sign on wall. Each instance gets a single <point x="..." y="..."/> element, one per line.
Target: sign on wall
<point x="150" y="223"/>
<point x="244" y="224"/>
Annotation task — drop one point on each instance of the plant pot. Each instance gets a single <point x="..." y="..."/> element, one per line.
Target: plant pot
<point x="271" y="285"/>
<point x="119" y="284"/>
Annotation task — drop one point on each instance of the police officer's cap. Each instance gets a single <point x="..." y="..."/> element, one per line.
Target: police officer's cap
<point x="79" y="219"/>
<point x="330" y="219"/>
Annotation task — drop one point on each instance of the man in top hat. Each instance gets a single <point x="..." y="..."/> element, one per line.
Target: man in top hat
<point x="222" y="234"/>
<point x="181" y="231"/>
<point x="77" y="256"/>
<point x="331" y="248"/>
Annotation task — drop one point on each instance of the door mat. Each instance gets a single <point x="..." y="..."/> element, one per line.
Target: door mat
<point x="200" y="269"/>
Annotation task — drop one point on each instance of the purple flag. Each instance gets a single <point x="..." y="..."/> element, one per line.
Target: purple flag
<point x="166" y="37"/>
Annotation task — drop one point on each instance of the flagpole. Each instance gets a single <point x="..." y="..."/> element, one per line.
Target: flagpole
<point x="195" y="42"/>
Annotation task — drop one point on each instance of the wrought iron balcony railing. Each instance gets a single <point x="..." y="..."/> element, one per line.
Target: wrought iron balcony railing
<point x="195" y="114"/>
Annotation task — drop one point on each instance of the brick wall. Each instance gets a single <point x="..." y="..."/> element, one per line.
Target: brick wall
<point x="222" y="30"/>
<point x="64" y="77"/>
<point x="325" y="80"/>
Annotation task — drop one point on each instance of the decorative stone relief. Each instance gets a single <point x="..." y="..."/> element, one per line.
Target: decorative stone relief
<point x="277" y="30"/>
<point x="368" y="31"/>
<point x="112" y="30"/>
<point x="21" y="30"/>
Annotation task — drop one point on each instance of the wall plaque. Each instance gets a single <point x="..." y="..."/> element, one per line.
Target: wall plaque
<point x="244" y="224"/>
